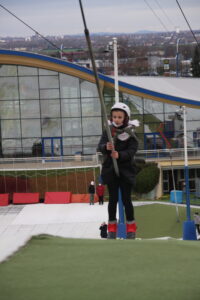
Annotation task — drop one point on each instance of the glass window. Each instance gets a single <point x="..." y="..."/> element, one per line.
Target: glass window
<point x="191" y="141"/>
<point x="90" y="144"/>
<point x="49" y="94"/>
<point x="88" y="89"/>
<point x="151" y="127"/>
<point x="51" y="127"/>
<point x="191" y="173"/>
<point x="151" y="106"/>
<point x="28" y="71"/>
<point x="31" y="128"/>
<point x="109" y="93"/>
<point x="10" y="129"/>
<point x="165" y="175"/>
<point x="193" y="125"/>
<point x="92" y="126"/>
<point x="91" y="107"/>
<point x="153" y="118"/>
<point x="141" y="141"/>
<point x="50" y="82"/>
<point x="135" y="103"/>
<point x="9" y="109"/>
<point x="11" y="147"/>
<point x="30" y="109"/>
<point x="50" y="108"/>
<point x="71" y="127"/>
<point x="29" y="145"/>
<point x="47" y="72"/>
<point x="9" y="88"/>
<point x="170" y="108"/>
<point x="8" y="70"/>
<point x="70" y="108"/>
<point x="28" y="87"/>
<point x="192" y="114"/>
<point x="69" y="86"/>
<point x="72" y="145"/>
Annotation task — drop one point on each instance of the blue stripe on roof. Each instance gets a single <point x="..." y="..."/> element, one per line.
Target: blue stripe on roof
<point x="47" y="58"/>
<point x="103" y="77"/>
<point x="159" y="95"/>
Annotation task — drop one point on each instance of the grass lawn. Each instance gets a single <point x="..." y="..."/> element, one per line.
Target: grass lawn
<point x="50" y="268"/>
<point x="159" y="220"/>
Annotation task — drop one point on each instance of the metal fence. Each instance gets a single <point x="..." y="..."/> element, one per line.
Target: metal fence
<point x="78" y="160"/>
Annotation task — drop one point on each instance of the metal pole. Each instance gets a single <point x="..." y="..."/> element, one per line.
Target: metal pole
<point x="189" y="229"/>
<point x="87" y="35"/>
<point x="177" y="57"/>
<point x="116" y="70"/>
<point x="186" y="165"/>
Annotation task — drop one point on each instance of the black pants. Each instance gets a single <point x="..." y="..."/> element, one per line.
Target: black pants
<point x="113" y="189"/>
<point x="100" y="199"/>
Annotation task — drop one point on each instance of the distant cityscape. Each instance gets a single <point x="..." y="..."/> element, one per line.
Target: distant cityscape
<point x="142" y="53"/>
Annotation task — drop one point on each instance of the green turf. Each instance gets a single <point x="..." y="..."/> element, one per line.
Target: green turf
<point x="160" y="220"/>
<point x="52" y="268"/>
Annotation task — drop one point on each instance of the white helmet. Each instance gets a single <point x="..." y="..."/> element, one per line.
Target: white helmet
<point x="121" y="106"/>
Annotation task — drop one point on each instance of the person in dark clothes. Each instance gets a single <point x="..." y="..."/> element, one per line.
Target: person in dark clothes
<point x="103" y="229"/>
<point x="123" y="149"/>
<point x="100" y="192"/>
<point x="91" y="191"/>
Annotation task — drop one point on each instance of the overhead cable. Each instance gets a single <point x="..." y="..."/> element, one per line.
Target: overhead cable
<point x="164" y="12"/>
<point x="156" y="16"/>
<point x="36" y="32"/>
<point x="188" y="24"/>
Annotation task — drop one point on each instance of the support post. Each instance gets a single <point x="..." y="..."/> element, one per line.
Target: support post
<point x="121" y="227"/>
<point x="189" y="229"/>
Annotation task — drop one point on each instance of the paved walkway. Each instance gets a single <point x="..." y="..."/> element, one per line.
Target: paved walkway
<point x="18" y="223"/>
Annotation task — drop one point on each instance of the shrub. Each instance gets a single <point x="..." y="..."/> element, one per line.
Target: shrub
<point x="147" y="178"/>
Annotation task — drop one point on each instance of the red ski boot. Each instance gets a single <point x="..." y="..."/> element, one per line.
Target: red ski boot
<point x="112" y="230"/>
<point x="131" y="230"/>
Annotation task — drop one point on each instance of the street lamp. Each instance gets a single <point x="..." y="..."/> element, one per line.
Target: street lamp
<point x="177" y="57"/>
<point x="116" y="70"/>
<point x="112" y="46"/>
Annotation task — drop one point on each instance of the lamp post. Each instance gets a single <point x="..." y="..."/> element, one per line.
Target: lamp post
<point x="116" y="70"/>
<point x="177" y="57"/>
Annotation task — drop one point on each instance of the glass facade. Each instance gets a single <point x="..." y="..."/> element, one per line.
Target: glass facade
<point x="38" y="106"/>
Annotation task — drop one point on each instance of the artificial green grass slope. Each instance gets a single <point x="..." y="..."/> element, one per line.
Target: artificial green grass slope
<point x="50" y="268"/>
<point x="159" y="220"/>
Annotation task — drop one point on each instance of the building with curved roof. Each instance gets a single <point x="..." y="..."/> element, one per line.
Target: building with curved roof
<point x="50" y="107"/>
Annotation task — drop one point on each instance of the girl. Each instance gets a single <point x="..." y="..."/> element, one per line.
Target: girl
<point x="123" y="149"/>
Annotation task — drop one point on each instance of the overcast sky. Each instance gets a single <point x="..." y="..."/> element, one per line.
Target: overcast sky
<point x="58" y="17"/>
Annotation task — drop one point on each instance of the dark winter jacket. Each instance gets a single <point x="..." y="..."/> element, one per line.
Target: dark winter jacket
<point x="100" y="190"/>
<point x="126" y="145"/>
<point x="91" y="189"/>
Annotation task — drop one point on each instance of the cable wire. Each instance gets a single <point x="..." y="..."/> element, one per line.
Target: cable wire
<point x="170" y="21"/>
<point x="156" y="15"/>
<point x="188" y="24"/>
<point x="36" y="32"/>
